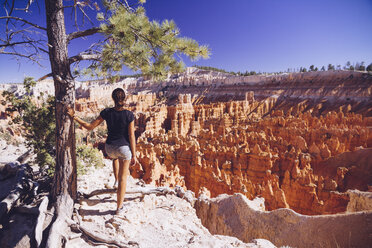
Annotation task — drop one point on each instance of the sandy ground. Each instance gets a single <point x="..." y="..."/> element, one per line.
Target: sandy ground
<point x="10" y="153"/>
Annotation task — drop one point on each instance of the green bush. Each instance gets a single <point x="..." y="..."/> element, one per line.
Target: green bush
<point x="88" y="156"/>
<point x="38" y="120"/>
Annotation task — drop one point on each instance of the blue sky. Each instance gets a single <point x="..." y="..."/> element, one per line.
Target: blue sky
<point x="260" y="35"/>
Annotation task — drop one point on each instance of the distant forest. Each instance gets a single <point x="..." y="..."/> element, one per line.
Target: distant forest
<point x="358" y="66"/>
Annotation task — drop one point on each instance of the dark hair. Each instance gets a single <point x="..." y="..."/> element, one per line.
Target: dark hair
<point x="118" y="95"/>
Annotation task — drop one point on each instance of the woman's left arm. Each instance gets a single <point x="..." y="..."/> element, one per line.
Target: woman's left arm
<point x="132" y="141"/>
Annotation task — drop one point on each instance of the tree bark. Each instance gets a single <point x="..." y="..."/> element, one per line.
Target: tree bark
<point x="64" y="188"/>
<point x="64" y="182"/>
<point x="40" y="221"/>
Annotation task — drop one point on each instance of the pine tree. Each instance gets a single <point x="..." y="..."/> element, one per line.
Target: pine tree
<point x="331" y="67"/>
<point x="357" y="66"/>
<point x="369" y="67"/>
<point x="130" y="39"/>
<point x="362" y="67"/>
<point x="348" y="64"/>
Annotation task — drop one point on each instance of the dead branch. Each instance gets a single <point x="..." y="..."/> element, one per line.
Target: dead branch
<point x="23" y="20"/>
<point x="8" y="170"/>
<point x="27" y="210"/>
<point x="100" y="192"/>
<point x="43" y="50"/>
<point x="10" y="44"/>
<point x="12" y="168"/>
<point x="74" y="236"/>
<point x="99" y="237"/>
<point x="96" y="236"/>
<point x="40" y="221"/>
<point x="44" y="77"/>
<point x="28" y="5"/>
<point x="7" y="203"/>
<point x="139" y="190"/>
<point x="80" y="57"/>
<point x="26" y="9"/>
<point x="84" y="15"/>
<point x="2" y="167"/>
<point x="30" y="57"/>
<point x="83" y="33"/>
<point x="24" y="157"/>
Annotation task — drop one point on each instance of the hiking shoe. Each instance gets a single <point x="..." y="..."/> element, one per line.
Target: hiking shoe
<point x="122" y="210"/>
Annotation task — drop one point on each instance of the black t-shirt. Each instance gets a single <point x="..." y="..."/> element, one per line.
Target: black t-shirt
<point x="117" y="125"/>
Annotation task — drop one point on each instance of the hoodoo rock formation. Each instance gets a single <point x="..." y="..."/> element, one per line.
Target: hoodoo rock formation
<point x="281" y="137"/>
<point x="226" y="147"/>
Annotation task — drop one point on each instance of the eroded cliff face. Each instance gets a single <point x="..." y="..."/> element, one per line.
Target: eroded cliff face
<point x="242" y="146"/>
<point x="301" y="140"/>
<point x="286" y="149"/>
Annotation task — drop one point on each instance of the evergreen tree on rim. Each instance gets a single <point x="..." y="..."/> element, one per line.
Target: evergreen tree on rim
<point x="129" y="38"/>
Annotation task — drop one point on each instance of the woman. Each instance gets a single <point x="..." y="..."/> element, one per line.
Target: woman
<point x="120" y="143"/>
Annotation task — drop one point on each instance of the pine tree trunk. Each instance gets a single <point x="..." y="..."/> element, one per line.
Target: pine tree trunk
<point x="65" y="171"/>
<point x="64" y="189"/>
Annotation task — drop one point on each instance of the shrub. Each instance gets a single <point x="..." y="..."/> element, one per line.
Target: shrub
<point x="87" y="157"/>
<point x="37" y="119"/>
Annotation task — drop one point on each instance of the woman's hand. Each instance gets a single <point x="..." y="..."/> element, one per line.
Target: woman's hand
<point x="70" y="112"/>
<point x="134" y="161"/>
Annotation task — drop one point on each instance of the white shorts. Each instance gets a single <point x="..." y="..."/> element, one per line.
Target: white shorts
<point x="122" y="152"/>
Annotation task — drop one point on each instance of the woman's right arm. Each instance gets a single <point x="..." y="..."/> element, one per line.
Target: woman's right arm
<point x="132" y="141"/>
<point x="86" y="125"/>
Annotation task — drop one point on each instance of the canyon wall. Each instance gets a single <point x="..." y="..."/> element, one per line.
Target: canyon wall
<point x="299" y="140"/>
<point x="242" y="146"/>
<point x="251" y="139"/>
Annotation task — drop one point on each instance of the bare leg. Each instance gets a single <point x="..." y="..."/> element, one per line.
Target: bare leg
<point x="123" y="175"/>
<point x="115" y="167"/>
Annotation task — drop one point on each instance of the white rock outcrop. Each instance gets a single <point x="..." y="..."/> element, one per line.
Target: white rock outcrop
<point x="236" y="216"/>
<point x="359" y="201"/>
